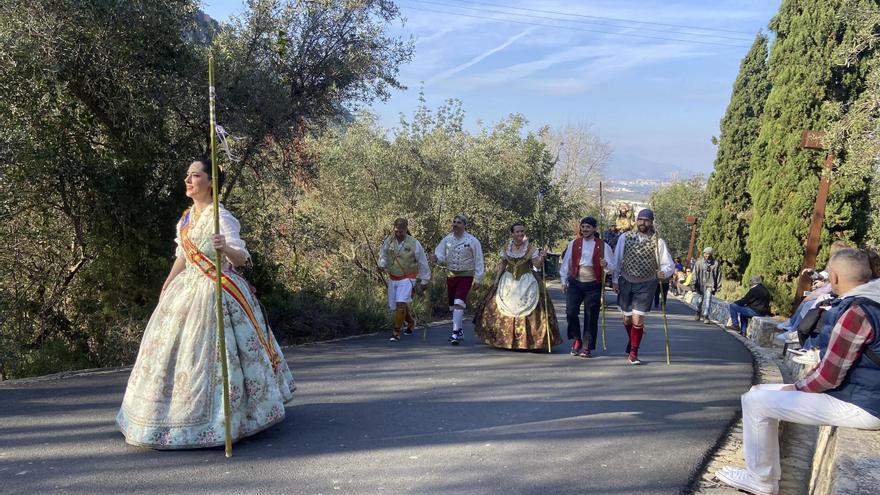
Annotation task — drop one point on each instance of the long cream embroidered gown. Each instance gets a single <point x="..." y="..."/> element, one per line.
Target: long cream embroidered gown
<point x="174" y="396"/>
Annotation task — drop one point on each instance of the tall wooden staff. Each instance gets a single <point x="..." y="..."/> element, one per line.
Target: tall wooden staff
<point x="218" y="259"/>
<point x="547" y="303"/>
<point x="602" y="282"/>
<point x="662" y="299"/>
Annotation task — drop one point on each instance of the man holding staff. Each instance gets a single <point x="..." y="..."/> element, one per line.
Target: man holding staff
<point x="403" y="259"/>
<point x="641" y="259"/>
<point x="582" y="274"/>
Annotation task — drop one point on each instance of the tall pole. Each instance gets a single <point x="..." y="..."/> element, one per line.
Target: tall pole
<point x="547" y="302"/>
<point x="602" y="282"/>
<point x="813" y="140"/>
<point x="218" y="260"/>
<point x="662" y="299"/>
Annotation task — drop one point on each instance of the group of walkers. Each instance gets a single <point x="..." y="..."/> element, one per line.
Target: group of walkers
<point x="516" y="312"/>
<point x="175" y="393"/>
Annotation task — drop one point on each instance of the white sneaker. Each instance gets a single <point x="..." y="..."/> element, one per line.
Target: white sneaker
<point x="808" y="358"/>
<point x="744" y="480"/>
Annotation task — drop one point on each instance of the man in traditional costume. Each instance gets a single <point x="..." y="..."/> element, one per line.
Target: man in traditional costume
<point x="582" y="273"/>
<point x="403" y="259"/>
<point x="462" y="254"/>
<point x="641" y="259"/>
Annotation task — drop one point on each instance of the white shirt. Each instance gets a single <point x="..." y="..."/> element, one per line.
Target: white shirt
<point x="586" y="259"/>
<point x="424" y="268"/>
<point x="461" y="254"/>
<point x="667" y="266"/>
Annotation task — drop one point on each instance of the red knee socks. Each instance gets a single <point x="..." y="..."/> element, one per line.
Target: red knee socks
<point x="628" y="327"/>
<point x="635" y="338"/>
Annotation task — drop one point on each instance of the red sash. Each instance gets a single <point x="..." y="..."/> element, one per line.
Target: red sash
<point x="598" y="253"/>
<point x="207" y="267"/>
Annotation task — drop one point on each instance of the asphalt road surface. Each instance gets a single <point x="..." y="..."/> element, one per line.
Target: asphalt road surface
<point x="414" y="417"/>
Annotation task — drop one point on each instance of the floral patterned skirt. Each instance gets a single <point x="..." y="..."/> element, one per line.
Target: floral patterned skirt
<point x="499" y="327"/>
<point x="174" y="398"/>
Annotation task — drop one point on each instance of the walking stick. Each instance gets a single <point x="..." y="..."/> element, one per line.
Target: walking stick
<point x="662" y="299"/>
<point x="426" y="298"/>
<point x="602" y="282"/>
<point x="546" y="303"/>
<point x="218" y="259"/>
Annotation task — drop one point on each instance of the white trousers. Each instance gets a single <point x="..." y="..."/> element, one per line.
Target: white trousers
<point x="765" y="405"/>
<point x="400" y="291"/>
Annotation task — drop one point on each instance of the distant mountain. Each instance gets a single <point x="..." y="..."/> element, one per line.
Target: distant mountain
<point x="204" y="30"/>
<point x="625" y="165"/>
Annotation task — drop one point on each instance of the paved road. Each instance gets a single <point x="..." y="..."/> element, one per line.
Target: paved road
<point x="415" y="417"/>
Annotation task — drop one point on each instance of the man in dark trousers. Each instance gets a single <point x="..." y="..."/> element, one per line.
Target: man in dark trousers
<point x="756" y="302"/>
<point x="707" y="281"/>
<point x="582" y="274"/>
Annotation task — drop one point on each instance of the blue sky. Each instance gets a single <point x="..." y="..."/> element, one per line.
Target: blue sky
<point x="655" y="89"/>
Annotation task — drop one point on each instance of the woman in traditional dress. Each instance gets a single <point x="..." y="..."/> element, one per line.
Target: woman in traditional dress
<point x="516" y="313"/>
<point x="174" y="398"/>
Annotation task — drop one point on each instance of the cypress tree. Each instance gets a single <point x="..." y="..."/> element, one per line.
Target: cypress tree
<point x="856" y="134"/>
<point x="808" y="89"/>
<point x="725" y="225"/>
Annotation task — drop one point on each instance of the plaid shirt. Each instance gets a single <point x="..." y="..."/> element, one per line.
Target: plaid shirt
<point x="848" y="337"/>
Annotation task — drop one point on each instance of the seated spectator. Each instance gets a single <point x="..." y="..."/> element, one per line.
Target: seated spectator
<point x="817" y="338"/>
<point x="688" y="283"/>
<point x="821" y="292"/>
<point x="756" y="302"/>
<point x="820" y="285"/>
<point x="842" y="390"/>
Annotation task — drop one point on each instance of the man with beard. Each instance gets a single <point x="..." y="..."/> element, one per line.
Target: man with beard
<point x="707" y="281"/>
<point x="640" y="259"/>
<point x="403" y="258"/>
<point x="463" y="256"/>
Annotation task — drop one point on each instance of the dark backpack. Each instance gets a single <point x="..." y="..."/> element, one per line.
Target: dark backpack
<point x="812" y="322"/>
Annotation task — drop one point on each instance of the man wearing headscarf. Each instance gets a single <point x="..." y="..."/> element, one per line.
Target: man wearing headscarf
<point x="462" y="254"/>
<point x="707" y="281"/>
<point x="582" y="274"/>
<point x="640" y="259"/>
<point x="403" y="258"/>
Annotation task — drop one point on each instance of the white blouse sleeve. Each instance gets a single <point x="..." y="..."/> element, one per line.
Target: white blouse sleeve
<point x="178" y="251"/>
<point x="231" y="229"/>
<point x="440" y="250"/>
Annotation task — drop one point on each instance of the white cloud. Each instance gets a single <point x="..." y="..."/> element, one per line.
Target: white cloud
<point x="455" y="70"/>
<point x="582" y="66"/>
